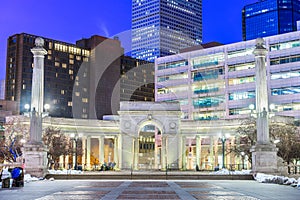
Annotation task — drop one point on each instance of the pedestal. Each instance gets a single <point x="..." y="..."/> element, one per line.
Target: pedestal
<point x="35" y="159"/>
<point x="264" y="158"/>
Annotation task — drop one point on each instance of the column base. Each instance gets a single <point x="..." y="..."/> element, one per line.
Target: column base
<point x="35" y="159"/>
<point x="264" y="159"/>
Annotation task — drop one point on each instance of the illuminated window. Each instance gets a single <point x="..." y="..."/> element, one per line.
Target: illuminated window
<point x="62" y="92"/>
<point x="70" y="71"/>
<point x="64" y="65"/>
<point x="77" y="94"/>
<point x="71" y="61"/>
<point x="56" y="64"/>
<point x="85" y="100"/>
<point x="70" y="103"/>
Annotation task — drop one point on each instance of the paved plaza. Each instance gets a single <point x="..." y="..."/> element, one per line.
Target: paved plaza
<point x="149" y="189"/>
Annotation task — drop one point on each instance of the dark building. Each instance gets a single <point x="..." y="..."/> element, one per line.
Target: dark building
<point x="61" y="65"/>
<point x="82" y="80"/>
<point x="270" y="17"/>
<point x="137" y="80"/>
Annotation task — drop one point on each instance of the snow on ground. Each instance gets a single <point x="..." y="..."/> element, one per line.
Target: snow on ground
<point x="263" y="178"/>
<point x="65" y="171"/>
<point x="227" y="172"/>
<point x="283" y="180"/>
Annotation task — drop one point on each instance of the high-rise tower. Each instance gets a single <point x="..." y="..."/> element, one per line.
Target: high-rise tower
<point x="162" y="27"/>
<point x="270" y="17"/>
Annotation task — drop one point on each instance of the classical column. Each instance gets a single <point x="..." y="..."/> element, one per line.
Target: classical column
<point x="198" y="151"/>
<point x="61" y="161"/>
<point x="116" y="156"/>
<point x="88" y="152"/>
<point x="155" y="154"/>
<point x="83" y="157"/>
<point x="74" y="155"/>
<point x="136" y="153"/>
<point x="163" y="152"/>
<point x="101" y="149"/>
<point x="211" y="151"/>
<point x="216" y="152"/>
<point x="264" y="154"/>
<point x="66" y="162"/>
<point x="183" y="153"/>
<point x="231" y="155"/>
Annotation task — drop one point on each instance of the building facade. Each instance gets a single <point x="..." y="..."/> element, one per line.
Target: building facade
<point x="147" y="136"/>
<point x="137" y="80"/>
<point x="82" y="80"/>
<point x="61" y="65"/>
<point x="163" y="27"/>
<point x="219" y="82"/>
<point x="270" y="17"/>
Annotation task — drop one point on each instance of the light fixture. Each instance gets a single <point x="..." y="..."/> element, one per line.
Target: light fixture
<point x="46" y="106"/>
<point x="251" y="106"/>
<point x="27" y="106"/>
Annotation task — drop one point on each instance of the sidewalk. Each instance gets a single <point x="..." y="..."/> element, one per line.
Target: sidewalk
<point x="163" y="189"/>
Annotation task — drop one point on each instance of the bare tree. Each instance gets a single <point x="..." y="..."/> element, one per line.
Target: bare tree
<point x="58" y="144"/>
<point x="246" y="133"/>
<point x="287" y="133"/>
<point x="288" y="141"/>
<point x="12" y="139"/>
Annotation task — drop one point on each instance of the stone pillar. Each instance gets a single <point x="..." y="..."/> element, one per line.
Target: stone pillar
<point x="61" y="162"/>
<point x="101" y="149"/>
<point x="136" y="153"/>
<point x="74" y="155"/>
<point x="66" y="161"/>
<point x="172" y="154"/>
<point x="83" y="158"/>
<point x="35" y="153"/>
<point x="156" y="154"/>
<point x="211" y="152"/>
<point x="183" y="152"/>
<point x="198" y="151"/>
<point x="88" y="152"/>
<point x="163" y="152"/>
<point x="116" y="156"/>
<point x="264" y="154"/>
<point x="216" y="152"/>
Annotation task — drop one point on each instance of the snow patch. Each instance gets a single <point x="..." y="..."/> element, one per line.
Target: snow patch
<point x="65" y="171"/>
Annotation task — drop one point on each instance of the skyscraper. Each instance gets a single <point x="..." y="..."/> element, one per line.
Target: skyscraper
<point x="162" y="27"/>
<point x="270" y="17"/>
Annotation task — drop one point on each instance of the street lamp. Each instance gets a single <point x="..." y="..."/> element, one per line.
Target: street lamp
<point x="76" y="138"/>
<point x="223" y="140"/>
<point x="44" y="114"/>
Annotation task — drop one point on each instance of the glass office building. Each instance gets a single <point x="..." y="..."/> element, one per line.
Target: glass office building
<point x="162" y="27"/>
<point x="270" y="17"/>
<point x="219" y="82"/>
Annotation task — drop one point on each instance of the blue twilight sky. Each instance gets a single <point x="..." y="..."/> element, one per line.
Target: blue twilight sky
<point x="71" y="20"/>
